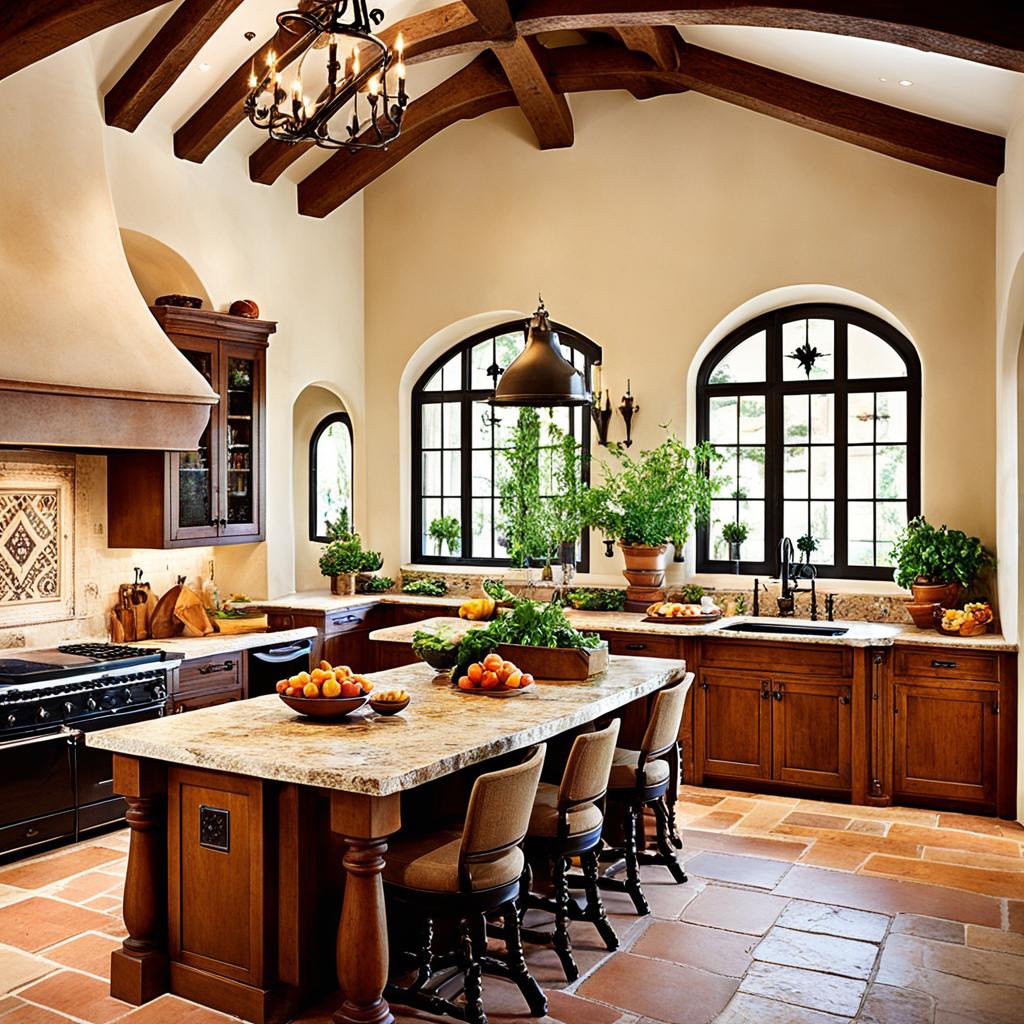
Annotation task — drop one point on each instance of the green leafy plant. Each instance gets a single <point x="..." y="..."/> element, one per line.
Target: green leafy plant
<point x="924" y="554"/>
<point x="735" y="533"/>
<point x="690" y="594"/>
<point x="425" y="587"/>
<point x="372" y="561"/>
<point x="339" y="529"/>
<point x="571" y="502"/>
<point x="595" y="599"/>
<point x="807" y="544"/>
<point x="524" y="519"/>
<point x="496" y="590"/>
<point x="446" y="530"/>
<point x="344" y="556"/>
<point x="658" y="496"/>
<point x="376" y="584"/>
<point x="437" y="650"/>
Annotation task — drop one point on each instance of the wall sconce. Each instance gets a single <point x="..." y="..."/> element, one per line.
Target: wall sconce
<point x="602" y="417"/>
<point x="629" y="409"/>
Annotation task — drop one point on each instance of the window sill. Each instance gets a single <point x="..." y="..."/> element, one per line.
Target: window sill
<point x="729" y="581"/>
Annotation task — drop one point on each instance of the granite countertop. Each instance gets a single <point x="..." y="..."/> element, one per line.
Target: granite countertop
<point x="192" y="647"/>
<point x="859" y="634"/>
<point x="442" y="730"/>
<point x="325" y="601"/>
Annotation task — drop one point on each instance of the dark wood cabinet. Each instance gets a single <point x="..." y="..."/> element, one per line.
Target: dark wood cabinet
<point x="733" y="725"/>
<point x="206" y="682"/>
<point x="214" y="495"/>
<point x="812" y="733"/>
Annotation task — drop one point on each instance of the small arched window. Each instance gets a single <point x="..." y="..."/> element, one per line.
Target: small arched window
<point x="330" y="474"/>
<point x="457" y="441"/>
<point x="817" y="412"/>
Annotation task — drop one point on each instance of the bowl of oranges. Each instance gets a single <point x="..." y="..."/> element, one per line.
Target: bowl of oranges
<point x="326" y="692"/>
<point x="494" y="677"/>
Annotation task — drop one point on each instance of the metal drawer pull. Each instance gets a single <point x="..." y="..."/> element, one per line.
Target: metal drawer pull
<point x="31" y="833"/>
<point x="943" y="664"/>
<point x="636" y="647"/>
<point x="844" y="699"/>
<point x="778" y="693"/>
<point x="345" y="618"/>
<point x="205" y="670"/>
<point x="703" y="685"/>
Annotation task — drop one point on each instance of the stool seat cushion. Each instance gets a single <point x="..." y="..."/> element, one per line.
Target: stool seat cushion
<point x="544" y="817"/>
<point x="430" y="863"/>
<point x="623" y="775"/>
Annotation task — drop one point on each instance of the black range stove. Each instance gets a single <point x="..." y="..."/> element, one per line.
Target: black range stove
<point x="51" y="785"/>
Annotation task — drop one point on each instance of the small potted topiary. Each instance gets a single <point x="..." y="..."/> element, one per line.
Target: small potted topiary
<point x="445" y="530"/>
<point x="734" y="534"/>
<point x="937" y="565"/>
<point x="342" y="559"/>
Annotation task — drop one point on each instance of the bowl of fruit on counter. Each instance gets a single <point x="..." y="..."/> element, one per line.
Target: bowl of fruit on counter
<point x="389" y="702"/>
<point x="326" y="692"/>
<point x="494" y="677"/>
<point x="971" y="620"/>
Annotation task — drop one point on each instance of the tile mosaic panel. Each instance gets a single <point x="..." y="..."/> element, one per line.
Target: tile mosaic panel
<point x="30" y="546"/>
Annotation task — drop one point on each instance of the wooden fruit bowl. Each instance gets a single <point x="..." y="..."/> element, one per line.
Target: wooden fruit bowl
<point x="389" y="707"/>
<point x="325" y="707"/>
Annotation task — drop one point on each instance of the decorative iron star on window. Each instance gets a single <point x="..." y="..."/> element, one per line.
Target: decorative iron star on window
<point x="806" y="355"/>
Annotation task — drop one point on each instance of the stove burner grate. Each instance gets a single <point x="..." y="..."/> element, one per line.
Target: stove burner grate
<point x="106" y="652"/>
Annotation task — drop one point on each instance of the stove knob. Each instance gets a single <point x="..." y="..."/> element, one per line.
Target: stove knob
<point x="11" y="720"/>
<point x="43" y="715"/>
<point x="127" y="696"/>
<point x="91" y="704"/>
<point x="159" y="692"/>
<point x="69" y="707"/>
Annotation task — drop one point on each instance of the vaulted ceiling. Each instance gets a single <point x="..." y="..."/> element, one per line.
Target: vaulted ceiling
<point x="532" y="53"/>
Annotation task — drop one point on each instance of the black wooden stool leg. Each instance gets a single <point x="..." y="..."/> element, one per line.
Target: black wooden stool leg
<point x="633" y="887"/>
<point x="663" y="837"/>
<point x="675" y="771"/>
<point x="562" y="942"/>
<point x="596" y="913"/>
<point x="471" y="965"/>
<point x="516" y="960"/>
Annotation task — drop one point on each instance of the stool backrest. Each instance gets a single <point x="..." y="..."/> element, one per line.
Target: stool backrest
<point x="585" y="778"/>
<point x="663" y="727"/>
<point x="499" y="809"/>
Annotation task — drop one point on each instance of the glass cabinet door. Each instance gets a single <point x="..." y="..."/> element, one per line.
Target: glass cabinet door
<point x="194" y="474"/>
<point x="240" y="380"/>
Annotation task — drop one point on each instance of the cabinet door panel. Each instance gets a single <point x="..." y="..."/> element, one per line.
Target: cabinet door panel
<point x="946" y="742"/>
<point x="811" y="733"/>
<point x="352" y="649"/>
<point x="733" y="725"/>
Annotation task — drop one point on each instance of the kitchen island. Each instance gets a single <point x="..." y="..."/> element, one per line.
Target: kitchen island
<point x="247" y="821"/>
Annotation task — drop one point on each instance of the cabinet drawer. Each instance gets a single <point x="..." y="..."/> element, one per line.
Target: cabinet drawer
<point x="946" y="663"/>
<point x="777" y="658"/>
<point x="206" y="700"/>
<point x="643" y="645"/>
<point x="223" y="672"/>
<point x="344" y="620"/>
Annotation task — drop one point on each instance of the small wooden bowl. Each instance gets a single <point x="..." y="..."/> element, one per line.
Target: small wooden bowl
<point x="325" y="707"/>
<point x="389" y="707"/>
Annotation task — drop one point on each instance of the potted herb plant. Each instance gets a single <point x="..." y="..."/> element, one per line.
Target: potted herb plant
<point x="568" y="508"/>
<point x="936" y="564"/>
<point x="734" y="534"/>
<point x="807" y="545"/>
<point x="525" y="522"/>
<point x="445" y="530"/>
<point x="342" y="559"/>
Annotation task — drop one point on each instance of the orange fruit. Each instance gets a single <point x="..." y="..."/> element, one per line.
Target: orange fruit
<point x="332" y="688"/>
<point x="475" y="672"/>
<point x="363" y="682"/>
<point x="514" y="680"/>
<point x="281" y="685"/>
<point x="465" y="683"/>
<point x="303" y="677"/>
<point x="493" y="662"/>
<point x="297" y="682"/>
<point x="318" y="675"/>
<point x="350" y="689"/>
<point x="489" y="681"/>
<point x="326" y="666"/>
<point x="344" y="670"/>
<point x="311" y="690"/>
<point x="292" y="692"/>
<point x="527" y="680"/>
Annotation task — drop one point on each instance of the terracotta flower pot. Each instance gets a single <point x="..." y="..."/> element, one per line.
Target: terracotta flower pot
<point x="923" y="614"/>
<point x="945" y="594"/>
<point x="645" y="571"/>
<point x="644" y="557"/>
<point x="343" y="586"/>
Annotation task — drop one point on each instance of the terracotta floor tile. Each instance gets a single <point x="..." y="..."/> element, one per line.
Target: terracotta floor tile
<point x="764" y="817"/>
<point x="694" y="945"/>
<point x="84" y="887"/>
<point x="887" y="1005"/>
<point x="77" y="994"/>
<point x="716" y="821"/>
<point x="810" y="989"/>
<point x="667" y="898"/>
<point x="842" y="921"/>
<point x="930" y="928"/>
<point x="1015" y="916"/>
<point x="738" y="804"/>
<point x="170" y="1009"/>
<point x="699" y="795"/>
<point x="995" y="938"/>
<point x="854" y="841"/>
<point x="11" y="894"/>
<point x="995" y="861"/>
<point x="909" y="815"/>
<point x="8" y="1003"/>
<point x="573" y="1010"/>
<point x="836" y="854"/>
<point x="748" y="1009"/>
<point x="755" y="871"/>
<point x="848" y="957"/>
<point x="30" y="1014"/>
<point x="18" y="968"/>
<point x="888" y="896"/>
<point x="38" y="872"/>
<point x="37" y="922"/>
<point x="653" y="988"/>
<point x="987" y="965"/>
<point x="949" y="840"/>
<point x="955" y="876"/>
<point x="868" y="827"/>
<point x="104" y="904"/>
<point x="982" y="825"/>
<point x="772" y="849"/>
<point x="89" y="953"/>
<point x="737" y="910"/>
<point x="811" y="820"/>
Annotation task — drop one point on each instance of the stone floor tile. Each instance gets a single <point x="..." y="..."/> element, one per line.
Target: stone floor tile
<point x="37" y="922"/>
<point x="848" y="957"/>
<point x="170" y="1009"/>
<point x="80" y="995"/>
<point x="90" y="953"/>
<point x="951" y="840"/>
<point x="755" y="871"/>
<point x="853" y="841"/>
<point x="84" y="887"/>
<point x="18" y="968"/>
<point x="715" y="821"/>
<point x="909" y="815"/>
<point x="971" y="859"/>
<point x="104" y="904"/>
<point x="11" y="894"/>
<point x="836" y="854"/>
<point x="808" y="819"/>
<point x="694" y="945"/>
<point x="929" y="928"/>
<point x="738" y="804"/>
<point x="1007" y="884"/>
<point x="982" y="825"/>
<point x="750" y="846"/>
<point x="573" y="1010"/>
<point x="8" y="1003"/>
<point x="995" y="938"/>
<point x="748" y="1009"/>
<point x="1015" y="916"/>
<point x="986" y="965"/>
<point x="29" y="1013"/>
<point x="668" y="899"/>
<point x="42" y="871"/>
<point x="889" y="896"/>
<point x="737" y="910"/>
<point x="811" y="989"/>
<point x="841" y="921"/>
<point x="764" y="817"/>
<point x="865" y="825"/>
<point x="654" y="988"/>
<point x="887" y="1005"/>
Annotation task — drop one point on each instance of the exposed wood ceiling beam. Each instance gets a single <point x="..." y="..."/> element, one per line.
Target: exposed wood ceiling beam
<point x="987" y="31"/>
<point x="34" y="29"/>
<point x="160" y="64"/>
<point x="494" y="18"/>
<point x="477" y="89"/>
<point x="545" y="109"/>
<point x="662" y="43"/>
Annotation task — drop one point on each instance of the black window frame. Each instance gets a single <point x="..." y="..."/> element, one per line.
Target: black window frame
<point x="774" y="388"/>
<point x="468" y="398"/>
<point x="314" y="439"/>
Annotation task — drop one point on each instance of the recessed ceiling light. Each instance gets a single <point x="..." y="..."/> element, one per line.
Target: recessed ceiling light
<point x="206" y="67"/>
<point x="905" y="82"/>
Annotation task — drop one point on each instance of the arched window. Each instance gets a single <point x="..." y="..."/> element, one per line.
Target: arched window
<point x="330" y="474"/>
<point x="817" y="411"/>
<point x="457" y="441"/>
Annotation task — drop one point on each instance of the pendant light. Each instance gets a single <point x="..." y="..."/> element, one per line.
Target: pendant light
<point x="540" y="375"/>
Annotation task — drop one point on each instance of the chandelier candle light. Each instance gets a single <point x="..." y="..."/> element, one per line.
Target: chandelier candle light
<point x="303" y="112"/>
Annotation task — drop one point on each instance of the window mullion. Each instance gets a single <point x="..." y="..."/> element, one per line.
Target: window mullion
<point x="842" y="460"/>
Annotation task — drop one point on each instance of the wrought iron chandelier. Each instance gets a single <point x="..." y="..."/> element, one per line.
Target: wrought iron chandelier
<point x="351" y="88"/>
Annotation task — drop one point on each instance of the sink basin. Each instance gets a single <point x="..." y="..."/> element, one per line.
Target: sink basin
<point x="775" y="627"/>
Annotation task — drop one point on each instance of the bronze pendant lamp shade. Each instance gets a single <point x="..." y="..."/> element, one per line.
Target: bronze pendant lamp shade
<point x="540" y="375"/>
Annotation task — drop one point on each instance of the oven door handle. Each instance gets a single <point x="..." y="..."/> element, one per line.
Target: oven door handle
<point x="277" y="655"/>
<point x="68" y="735"/>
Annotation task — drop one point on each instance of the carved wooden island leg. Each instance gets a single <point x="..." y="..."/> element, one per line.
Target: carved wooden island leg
<point x="365" y="822"/>
<point x="138" y="970"/>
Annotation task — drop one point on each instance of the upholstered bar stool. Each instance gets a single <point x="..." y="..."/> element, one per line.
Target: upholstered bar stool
<point x="567" y="822"/>
<point x="461" y="876"/>
<point x="639" y="779"/>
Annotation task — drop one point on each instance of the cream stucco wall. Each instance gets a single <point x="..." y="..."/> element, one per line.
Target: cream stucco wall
<point x="665" y="216"/>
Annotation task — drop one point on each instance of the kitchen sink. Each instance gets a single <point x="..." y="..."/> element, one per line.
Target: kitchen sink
<point x="775" y="627"/>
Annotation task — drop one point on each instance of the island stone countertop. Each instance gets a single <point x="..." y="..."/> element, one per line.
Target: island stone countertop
<point x="192" y="647"/>
<point x="325" y="601"/>
<point x="442" y="730"/>
<point x="859" y="634"/>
